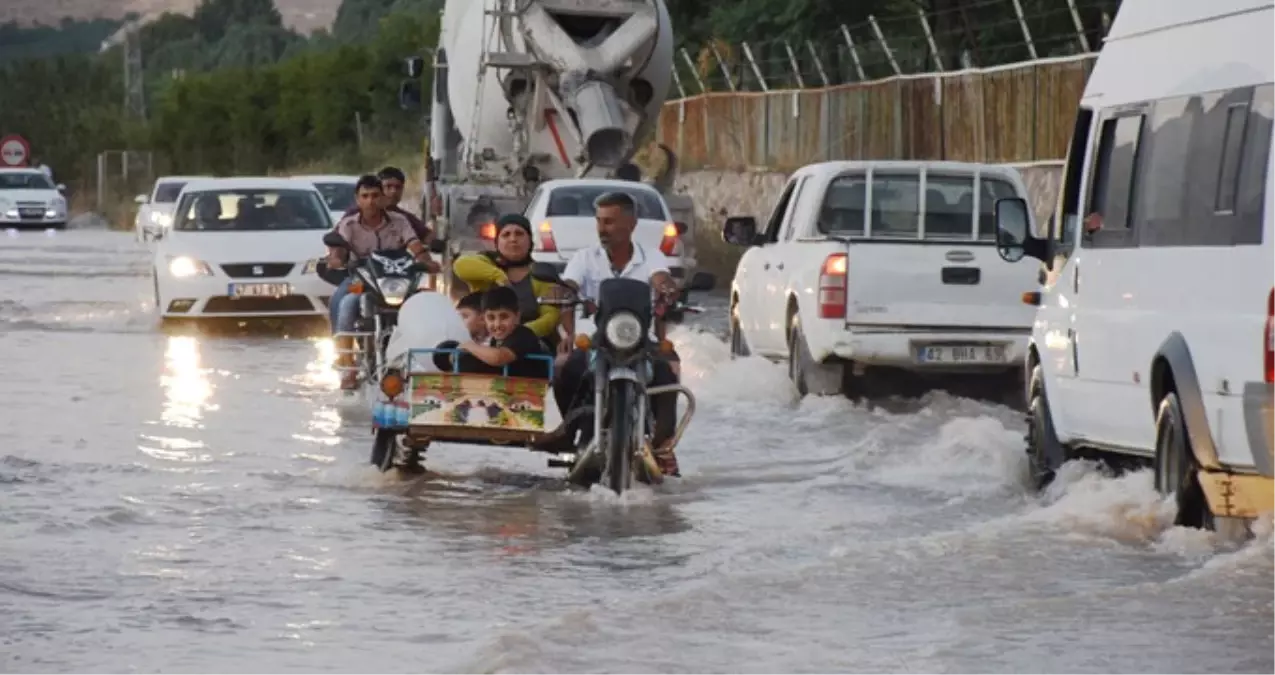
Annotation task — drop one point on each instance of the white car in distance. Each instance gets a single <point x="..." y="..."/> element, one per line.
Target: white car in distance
<point x="155" y="210"/>
<point x="29" y="199"/>
<point x="337" y="191"/>
<point x="243" y="248"/>
<point x="562" y="217"/>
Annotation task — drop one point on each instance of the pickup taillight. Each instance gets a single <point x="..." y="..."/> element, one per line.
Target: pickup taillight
<point x="832" y="286"/>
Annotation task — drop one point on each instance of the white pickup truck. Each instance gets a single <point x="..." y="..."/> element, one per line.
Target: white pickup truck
<point x="884" y="268"/>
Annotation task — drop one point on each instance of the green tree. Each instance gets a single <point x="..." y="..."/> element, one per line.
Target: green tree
<point x="215" y="17"/>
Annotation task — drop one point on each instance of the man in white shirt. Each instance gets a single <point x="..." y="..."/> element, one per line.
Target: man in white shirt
<point x="617" y="256"/>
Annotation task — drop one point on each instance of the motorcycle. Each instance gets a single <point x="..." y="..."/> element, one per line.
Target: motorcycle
<point x="383" y="281"/>
<point x="622" y="355"/>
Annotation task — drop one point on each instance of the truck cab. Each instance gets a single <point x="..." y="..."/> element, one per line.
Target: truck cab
<point x="873" y="268"/>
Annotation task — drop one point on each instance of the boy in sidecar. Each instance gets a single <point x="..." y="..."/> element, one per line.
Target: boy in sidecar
<point x="470" y="309"/>
<point x="509" y="344"/>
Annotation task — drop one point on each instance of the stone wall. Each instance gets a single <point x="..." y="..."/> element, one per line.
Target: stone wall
<point x="718" y="194"/>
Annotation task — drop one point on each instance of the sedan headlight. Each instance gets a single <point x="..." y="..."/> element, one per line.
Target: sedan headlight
<point x="312" y="266"/>
<point x="623" y="330"/>
<point x="394" y="290"/>
<point x="184" y="266"/>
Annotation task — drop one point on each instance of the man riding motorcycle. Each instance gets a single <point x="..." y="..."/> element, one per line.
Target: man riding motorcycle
<point x="372" y="228"/>
<point x="392" y="182"/>
<point x="617" y="256"/>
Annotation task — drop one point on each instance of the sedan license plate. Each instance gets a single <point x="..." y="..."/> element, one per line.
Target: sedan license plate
<point x="961" y="354"/>
<point x="259" y="290"/>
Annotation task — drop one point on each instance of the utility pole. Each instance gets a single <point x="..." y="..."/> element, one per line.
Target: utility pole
<point x="134" y="76"/>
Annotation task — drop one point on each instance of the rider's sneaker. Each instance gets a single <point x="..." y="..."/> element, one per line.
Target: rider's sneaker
<point x="667" y="461"/>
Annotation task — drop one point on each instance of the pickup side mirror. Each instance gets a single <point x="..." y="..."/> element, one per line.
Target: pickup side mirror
<point x="1013" y="232"/>
<point x="702" y="281"/>
<point x="139" y="199"/>
<point x="545" y="272"/>
<point x="740" y="230"/>
<point x="335" y="240"/>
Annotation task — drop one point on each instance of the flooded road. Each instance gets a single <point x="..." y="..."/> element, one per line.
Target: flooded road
<point x="186" y="504"/>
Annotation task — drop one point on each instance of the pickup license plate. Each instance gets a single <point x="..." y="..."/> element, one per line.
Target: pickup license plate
<point x="259" y="290"/>
<point x="962" y="354"/>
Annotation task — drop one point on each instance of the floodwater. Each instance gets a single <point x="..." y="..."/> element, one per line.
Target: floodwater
<point x="183" y="504"/>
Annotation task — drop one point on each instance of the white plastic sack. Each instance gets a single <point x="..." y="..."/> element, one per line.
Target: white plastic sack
<point x="424" y="320"/>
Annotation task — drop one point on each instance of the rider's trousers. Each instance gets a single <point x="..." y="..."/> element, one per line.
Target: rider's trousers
<point x="573" y="387"/>
<point x="343" y="308"/>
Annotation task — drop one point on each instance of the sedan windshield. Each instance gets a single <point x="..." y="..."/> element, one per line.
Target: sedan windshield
<point x="24" y="180"/>
<point x="339" y="196"/>
<point x="577" y="200"/>
<point x="166" y="193"/>
<point x="250" y="210"/>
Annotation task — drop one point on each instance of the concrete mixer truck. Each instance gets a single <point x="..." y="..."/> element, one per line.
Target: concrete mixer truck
<point x="526" y="91"/>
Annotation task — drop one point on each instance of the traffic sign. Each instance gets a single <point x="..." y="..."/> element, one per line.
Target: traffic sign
<point x="14" y="151"/>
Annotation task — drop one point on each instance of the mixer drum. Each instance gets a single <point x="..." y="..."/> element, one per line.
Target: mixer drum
<point x="600" y="59"/>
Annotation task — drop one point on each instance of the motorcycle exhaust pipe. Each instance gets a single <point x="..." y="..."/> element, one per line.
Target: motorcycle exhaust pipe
<point x="683" y="423"/>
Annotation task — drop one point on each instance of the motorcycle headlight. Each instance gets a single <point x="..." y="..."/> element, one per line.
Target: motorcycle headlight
<point x="160" y="218"/>
<point x="623" y="330"/>
<point x="185" y="266"/>
<point x="394" y="290"/>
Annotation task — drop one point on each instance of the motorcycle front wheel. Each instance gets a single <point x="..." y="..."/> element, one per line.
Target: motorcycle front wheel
<point x="621" y="436"/>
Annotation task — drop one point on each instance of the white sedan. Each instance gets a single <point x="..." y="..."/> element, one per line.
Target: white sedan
<point x="243" y="248"/>
<point x="29" y="199"/>
<point x="155" y="210"/>
<point x="562" y="215"/>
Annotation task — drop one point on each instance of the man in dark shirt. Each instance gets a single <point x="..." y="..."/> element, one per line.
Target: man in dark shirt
<point x="392" y="181"/>
<point x="509" y="342"/>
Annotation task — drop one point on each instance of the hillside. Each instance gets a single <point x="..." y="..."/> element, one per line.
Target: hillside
<point x="304" y="16"/>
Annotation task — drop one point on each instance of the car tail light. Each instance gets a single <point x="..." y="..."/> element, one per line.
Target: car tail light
<point x="671" y="245"/>
<point x="1270" y="337"/>
<point x="547" y="244"/>
<point x="487" y="232"/>
<point x="832" y="287"/>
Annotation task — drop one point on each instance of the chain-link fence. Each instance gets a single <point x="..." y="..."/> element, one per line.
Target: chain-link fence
<point x="120" y="176"/>
<point x="990" y="80"/>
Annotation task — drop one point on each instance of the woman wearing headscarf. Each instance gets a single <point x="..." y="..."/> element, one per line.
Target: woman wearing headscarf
<point x="510" y="265"/>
